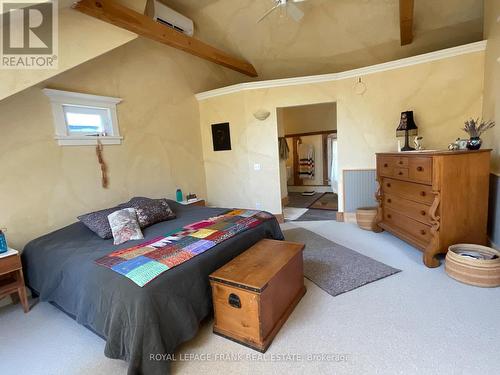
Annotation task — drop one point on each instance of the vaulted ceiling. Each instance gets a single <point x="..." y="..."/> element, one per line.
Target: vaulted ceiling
<point x="333" y="36"/>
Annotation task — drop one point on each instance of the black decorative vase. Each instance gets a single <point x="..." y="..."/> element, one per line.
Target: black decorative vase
<point x="474" y="143"/>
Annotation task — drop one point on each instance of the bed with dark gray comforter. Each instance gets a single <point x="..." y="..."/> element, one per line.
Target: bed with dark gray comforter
<point x="135" y="322"/>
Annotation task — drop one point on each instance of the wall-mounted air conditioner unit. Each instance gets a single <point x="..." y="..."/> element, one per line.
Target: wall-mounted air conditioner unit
<point x="169" y="17"/>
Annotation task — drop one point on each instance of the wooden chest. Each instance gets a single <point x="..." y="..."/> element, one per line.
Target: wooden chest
<point x="254" y="294"/>
<point x="434" y="199"/>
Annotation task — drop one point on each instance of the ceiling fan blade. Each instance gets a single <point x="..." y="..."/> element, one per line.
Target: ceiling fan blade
<point x="294" y="12"/>
<point x="269" y="12"/>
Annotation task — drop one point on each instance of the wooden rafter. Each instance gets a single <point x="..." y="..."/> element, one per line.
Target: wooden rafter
<point x="118" y="15"/>
<point x="406" y="21"/>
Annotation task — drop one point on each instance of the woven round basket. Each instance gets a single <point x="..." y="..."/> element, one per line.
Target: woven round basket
<point x="366" y="217"/>
<point x="478" y="272"/>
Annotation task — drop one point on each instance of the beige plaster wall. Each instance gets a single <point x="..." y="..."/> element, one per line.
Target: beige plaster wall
<point x="45" y="186"/>
<point x="310" y="118"/>
<point x="492" y="79"/>
<point x="100" y="37"/>
<point x="442" y="94"/>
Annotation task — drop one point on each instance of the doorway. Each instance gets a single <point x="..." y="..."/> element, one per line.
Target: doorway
<point x="308" y="161"/>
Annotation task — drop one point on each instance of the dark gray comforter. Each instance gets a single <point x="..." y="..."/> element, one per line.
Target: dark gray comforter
<point x="134" y="321"/>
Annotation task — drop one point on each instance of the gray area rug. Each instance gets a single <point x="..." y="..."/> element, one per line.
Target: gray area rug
<point x="335" y="268"/>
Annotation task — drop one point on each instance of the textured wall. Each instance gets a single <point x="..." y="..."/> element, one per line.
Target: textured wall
<point x="310" y="118"/>
<point x="442" y="93"/>
<point x="491" y="109"/>
<point x="73" y="49"/>
<point x="45" y="186"/>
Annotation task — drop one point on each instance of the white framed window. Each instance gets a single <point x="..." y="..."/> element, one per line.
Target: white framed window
<point x="80" y="119"/>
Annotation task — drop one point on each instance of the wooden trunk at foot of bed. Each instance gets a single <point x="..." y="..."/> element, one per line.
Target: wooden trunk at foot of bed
<point x="254" y="294"/>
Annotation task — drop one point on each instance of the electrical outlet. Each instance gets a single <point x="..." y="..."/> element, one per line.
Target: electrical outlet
<point x="257" y="167"/>
<point x="258" y="205"/>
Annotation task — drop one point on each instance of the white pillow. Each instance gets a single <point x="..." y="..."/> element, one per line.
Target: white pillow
<point x="124" y="226"/>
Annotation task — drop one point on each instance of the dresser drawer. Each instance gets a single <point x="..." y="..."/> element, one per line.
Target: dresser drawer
<point x="418" y="232"/>
<point x="393" y="166"/>
<point x="10" y="264"/>
<point x="400" y="172"/>
<point x="414" y="210"/>
<point x="393" y="161"/>
<point x="409" y="190"/>
<point x="420" y="169"/>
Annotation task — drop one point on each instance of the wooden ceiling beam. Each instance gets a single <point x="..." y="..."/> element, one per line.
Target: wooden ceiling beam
<point x="118" y="15"/>
<point x="406" y="21"/>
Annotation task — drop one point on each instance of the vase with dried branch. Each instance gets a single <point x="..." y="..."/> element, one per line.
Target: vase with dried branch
<point x="475" y="129"/>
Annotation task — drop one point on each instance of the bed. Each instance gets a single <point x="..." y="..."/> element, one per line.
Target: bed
<point x="135" y="322"/>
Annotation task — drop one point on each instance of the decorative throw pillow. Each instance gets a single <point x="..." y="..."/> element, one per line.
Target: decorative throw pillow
<point x="150" y="211"/>
<point x="124" y="226"/>
<point x="98" y="222"/>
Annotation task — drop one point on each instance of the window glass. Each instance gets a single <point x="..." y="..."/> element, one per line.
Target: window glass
<point x="86" y="120"/>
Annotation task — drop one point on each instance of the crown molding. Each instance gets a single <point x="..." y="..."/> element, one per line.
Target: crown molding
<point x="391" y="65"/>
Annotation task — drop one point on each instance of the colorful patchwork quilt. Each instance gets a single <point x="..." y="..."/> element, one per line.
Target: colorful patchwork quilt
<point x="145" y="262"/>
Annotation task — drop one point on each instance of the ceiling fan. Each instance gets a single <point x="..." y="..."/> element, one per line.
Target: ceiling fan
<point x="288" y="7"/>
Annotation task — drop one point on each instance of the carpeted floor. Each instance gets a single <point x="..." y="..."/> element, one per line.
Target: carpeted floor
<point x="418" y="321"/>
<point x="335" y="268"/>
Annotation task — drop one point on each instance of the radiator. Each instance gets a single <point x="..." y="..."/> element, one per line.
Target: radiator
<point x="360" y="187"/>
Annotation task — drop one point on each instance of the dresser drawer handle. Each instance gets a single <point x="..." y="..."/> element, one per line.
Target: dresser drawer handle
<point x="385" y="165"/>
<point x="423" y="213"/>
<point x="420" y="169"/>
<point x="400" y="173"/>
<point x="423" y="193"/>
<point x="389" y="216"/>
<point x="423" y="232"/>
<point x="401" y="162"/>
<point x="388" y="185"/>
<point x="389" y="200"/>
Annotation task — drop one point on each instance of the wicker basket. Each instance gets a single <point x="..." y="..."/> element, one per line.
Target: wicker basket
<point x="483" y="273"/>
<point x="366" y="218"/>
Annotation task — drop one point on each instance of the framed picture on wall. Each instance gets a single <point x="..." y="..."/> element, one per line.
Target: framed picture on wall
<point x="221" y="137"/>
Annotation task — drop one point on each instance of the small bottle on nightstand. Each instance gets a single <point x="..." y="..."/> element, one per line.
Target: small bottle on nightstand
<point x="3" y="242"/>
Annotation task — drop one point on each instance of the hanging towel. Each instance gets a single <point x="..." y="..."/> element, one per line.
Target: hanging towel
<point x="306" y="161"/>
<point x="283" y="148"/>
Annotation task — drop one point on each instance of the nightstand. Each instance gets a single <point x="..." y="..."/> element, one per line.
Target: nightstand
<point x="11" y="277"/>
<point x="194" y="202"/>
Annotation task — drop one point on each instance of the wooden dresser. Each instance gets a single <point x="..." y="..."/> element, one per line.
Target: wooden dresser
<point x="434" y="199"/>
